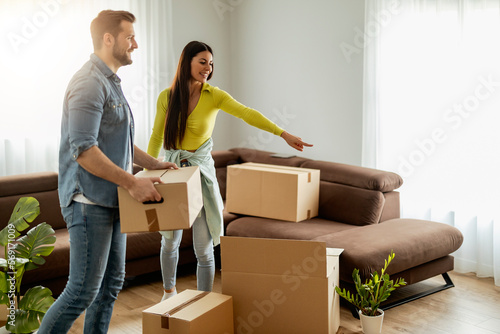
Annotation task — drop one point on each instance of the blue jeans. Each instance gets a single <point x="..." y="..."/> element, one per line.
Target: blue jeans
<point x="96" y="273"/>
<point x="203" y="249"/>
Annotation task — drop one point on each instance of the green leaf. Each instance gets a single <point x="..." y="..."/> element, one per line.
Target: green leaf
<point x="374" y="291"/>
<point x="4" y="289"/>
<point x="15" y="271"/>
<point x="4" y="285"/>
<point x="31" y="310"/>
<point x="37" y="299"/>
<point x="25" y="211"/>
<point x="4" y="299"/>
<point x="33" y="245"/>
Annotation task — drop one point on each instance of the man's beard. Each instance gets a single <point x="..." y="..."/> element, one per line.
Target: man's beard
<point x="122" y="56"/>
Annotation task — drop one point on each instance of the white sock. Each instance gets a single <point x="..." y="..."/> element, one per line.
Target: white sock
<point x="167" y="295"/>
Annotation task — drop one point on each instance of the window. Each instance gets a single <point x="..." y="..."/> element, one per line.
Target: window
<point x="433" y="96"/>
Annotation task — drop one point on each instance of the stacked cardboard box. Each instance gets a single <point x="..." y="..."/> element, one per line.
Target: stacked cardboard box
<point x="281" y="286"/>
<point x="273" y="191"/>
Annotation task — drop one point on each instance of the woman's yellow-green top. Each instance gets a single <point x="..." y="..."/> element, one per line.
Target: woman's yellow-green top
<point x="201" y="121"/>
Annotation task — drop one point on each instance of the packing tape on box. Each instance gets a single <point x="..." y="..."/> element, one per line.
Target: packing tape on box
<point x="152" y="218"/>
<point x="166" y="316"/>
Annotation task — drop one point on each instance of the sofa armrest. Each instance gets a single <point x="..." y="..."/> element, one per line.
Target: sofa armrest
<point x="27" y="183"/>
<point x="42" y="186"/>
<point x="356" y="176"/>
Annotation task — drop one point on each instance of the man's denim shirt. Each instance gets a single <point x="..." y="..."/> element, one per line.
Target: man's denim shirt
<point x="95" y="113"/>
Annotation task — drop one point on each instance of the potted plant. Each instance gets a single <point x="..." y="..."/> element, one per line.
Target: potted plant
<point x="370" y="295"/>
<point x="24" y="314"/>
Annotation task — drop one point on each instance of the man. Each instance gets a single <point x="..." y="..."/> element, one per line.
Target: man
<point x="97" y="154"/>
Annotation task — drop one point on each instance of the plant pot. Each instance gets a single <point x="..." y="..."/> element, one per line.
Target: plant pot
<point x="372" y="325"/>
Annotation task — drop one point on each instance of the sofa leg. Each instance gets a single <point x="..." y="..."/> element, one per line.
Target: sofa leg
<point x="354" y="311"/>
<point x="448" y="284"/>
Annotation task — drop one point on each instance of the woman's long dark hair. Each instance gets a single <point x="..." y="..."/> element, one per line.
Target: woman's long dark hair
<point x="178" y="101"/>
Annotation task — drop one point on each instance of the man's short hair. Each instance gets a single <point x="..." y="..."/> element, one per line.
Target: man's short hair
<point x="108" y="21"/>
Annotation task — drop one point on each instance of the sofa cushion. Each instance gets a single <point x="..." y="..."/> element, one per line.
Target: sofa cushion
<point x="255" y="227"/>
<point x="228" y="217"/>
<point x="350" y="205"/>
<point x="414" y="242"/>
<point x="143" y="244"/>
<point x="356" y="176"/>
<point x="264" y="157"/>
<point x="224" y="158"/>
<point x="391" y="208"/>
<point x="221" y="174"/>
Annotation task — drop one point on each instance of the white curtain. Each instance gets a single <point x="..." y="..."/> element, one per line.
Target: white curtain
<point x="44" y="44"/>
<point x="432" y="113"/>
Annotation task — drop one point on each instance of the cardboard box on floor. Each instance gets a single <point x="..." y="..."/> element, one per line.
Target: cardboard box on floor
<point x="273" y="191"/>
<point x="181" y="202"/>
<point x="281" y="286"/>
<point x="190" y="312"/>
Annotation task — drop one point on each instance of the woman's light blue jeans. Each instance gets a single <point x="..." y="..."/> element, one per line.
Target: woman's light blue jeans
<point x="203" y="249"/>
<point x="96" y="273"/>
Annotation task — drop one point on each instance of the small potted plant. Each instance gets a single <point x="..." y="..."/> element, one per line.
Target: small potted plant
<point x="24" y="314"/>
<point x="370" y="295"/>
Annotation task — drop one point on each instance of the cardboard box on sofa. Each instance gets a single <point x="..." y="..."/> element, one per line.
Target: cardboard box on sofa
<point x="273" y="191"/>
<point x="190" y="312"/>
<point x="281" y="286"/>
<point x="181" y="202"/>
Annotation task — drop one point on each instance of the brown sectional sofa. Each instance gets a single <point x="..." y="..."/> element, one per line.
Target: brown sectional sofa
<point x="358" y="211"/>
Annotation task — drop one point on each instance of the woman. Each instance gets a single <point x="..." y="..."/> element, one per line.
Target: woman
<point x="184" y="123"/>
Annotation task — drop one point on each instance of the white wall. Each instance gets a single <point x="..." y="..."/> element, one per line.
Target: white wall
<point x="287" y="62"/>
<point x="283" y="58"/>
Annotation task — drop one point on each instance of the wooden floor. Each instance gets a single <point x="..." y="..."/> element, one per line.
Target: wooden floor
<point x="471" y="307"/>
